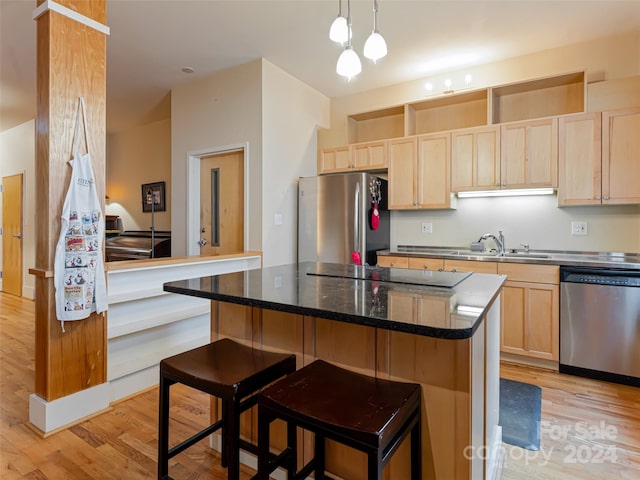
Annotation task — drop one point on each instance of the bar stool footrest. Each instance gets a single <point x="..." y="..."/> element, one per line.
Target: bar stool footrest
<point x="194" y="439"/>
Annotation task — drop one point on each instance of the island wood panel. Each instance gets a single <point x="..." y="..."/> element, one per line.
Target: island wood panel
<point x="245" y="324"/>
<point x="444" y="368"/>
<point x="70" y="63"/>
<point x="229" y="320"/>
<point x="352" y="347"/>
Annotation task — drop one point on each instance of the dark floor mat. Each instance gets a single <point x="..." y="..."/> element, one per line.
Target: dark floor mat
<point x="520" y="414"/>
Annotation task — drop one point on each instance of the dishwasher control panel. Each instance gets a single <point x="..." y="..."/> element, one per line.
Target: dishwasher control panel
<point x="617" y="278"/>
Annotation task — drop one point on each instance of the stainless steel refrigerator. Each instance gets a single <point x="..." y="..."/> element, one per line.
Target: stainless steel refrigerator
<point x="342" y="218"/>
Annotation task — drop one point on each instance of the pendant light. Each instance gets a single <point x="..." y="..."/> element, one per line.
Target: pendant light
<point x="339" y="31"/>
<point x="375" y="46"/>
<point x="348" y="63"/>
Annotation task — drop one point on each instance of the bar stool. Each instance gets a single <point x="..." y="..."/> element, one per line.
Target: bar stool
<point x="230" y="371"/>
<point x="366" y="413"/>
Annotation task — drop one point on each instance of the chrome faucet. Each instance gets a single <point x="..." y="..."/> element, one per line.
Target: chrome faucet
<point x="499" y="241"/>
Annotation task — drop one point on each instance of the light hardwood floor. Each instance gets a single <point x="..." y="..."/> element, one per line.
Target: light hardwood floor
<point x="590" y="429"/>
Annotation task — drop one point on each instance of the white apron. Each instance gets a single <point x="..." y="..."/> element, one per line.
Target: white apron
<point x="79" y="278"/>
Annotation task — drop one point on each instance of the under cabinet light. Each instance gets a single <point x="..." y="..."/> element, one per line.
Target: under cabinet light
<point x="506" y="193"/>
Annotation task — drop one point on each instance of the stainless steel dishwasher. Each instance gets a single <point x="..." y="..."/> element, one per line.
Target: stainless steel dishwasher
<point x="600" y="323"/>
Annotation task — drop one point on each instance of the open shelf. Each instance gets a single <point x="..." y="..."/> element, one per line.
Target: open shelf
<point x="545" y="97"/>
<point x="376" y="125"/>
<point x="451" y="112"/>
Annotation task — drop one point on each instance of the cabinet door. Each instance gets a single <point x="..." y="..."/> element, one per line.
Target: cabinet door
<point x="470" y="266"/>
<point x="391" y="261"/>
<point x="620" y="156"/>
<point x="475" y="159"/>
<point x="369" y="156"/>
<point x="402" y="173"/>
<point x="334" y="159"/>
<point x="530" y="320"/>
<point x="579" y="159"/>
<point x="426" y="263"/>
<point x="529" y="154"/>
<point x="434" y="166"/>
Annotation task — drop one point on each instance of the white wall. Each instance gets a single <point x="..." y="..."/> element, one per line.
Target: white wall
<point x="210" y="113"/>
<point x="534" y="220"/>
<point x="134" y="157"/>
<point x="17" y="155"/>
<point x="277" y="116"/>
<point x="292" y="112"/>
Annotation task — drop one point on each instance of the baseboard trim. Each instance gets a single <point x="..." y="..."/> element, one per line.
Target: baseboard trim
<point x="61" y="413"/>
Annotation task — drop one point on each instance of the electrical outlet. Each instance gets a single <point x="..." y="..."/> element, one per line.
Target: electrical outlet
<point x="578" y="228"/>
<point x="427" y="227"/>
<point x="277" y="219"/>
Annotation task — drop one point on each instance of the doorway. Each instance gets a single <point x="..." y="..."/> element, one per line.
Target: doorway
<point x="12" y="234"/>
<point x="222" y="203"/>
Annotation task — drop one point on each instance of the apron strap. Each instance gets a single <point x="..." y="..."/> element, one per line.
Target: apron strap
<point x="80" y="116"/>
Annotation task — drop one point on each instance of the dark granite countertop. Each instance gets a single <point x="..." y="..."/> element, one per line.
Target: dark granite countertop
<point x="372" y="296"/>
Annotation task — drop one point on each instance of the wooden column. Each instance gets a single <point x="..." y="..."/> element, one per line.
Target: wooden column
<point x="71" y="62"/>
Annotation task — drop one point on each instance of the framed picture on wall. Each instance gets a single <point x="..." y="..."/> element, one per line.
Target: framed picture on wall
<point x="153" y="192"/>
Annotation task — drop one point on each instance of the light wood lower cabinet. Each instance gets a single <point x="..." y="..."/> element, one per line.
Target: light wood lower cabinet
<point x="391" y="261"/>
<point x="530" y="310"/>
<point x="470" y="266"/>
<point x="426" y="263"/>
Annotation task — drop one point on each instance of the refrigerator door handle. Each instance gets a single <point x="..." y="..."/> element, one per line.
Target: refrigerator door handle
<point x="356" y="220"/>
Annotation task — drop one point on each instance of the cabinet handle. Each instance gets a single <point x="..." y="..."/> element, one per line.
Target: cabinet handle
<point x="597" y="197"/>
<point x="498" y="185"/>
<point x="606" y="197"/>
<point x="453" y="270"/>
<point x="391" y="264"/>
<point x="504" y="184"/>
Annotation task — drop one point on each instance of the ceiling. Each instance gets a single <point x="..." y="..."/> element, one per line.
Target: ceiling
<point x="151" y="40"/>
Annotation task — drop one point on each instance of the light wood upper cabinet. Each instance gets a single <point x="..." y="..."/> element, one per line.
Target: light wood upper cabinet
<point x="529" y="154"/>
<point x="598" y="158"/>
<point x="579" y="159"/>
<point x="403" y="154"/>
<point x="336" y="159"/>
<point x="621" y="156"/>
<point x="356" y="157"/>
<point x="419" y="172"/>
<point x="369" y="155"/>
<point x="475" y="159"/>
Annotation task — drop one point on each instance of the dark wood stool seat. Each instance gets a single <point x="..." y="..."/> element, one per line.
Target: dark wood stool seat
<point x="230" y="371"/>
<point x="370" y="414"/>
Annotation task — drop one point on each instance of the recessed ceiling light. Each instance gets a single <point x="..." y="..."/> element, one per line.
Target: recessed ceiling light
<point x="187" y="70"/>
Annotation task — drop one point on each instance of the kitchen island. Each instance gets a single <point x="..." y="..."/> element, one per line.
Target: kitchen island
<point x="439" y="329"/>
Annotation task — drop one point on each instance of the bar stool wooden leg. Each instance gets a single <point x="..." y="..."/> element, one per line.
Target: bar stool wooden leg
<point x="319" y="452"/>
<point x="416" y="451"/>
<point x="263" y="446"/>
<point x="163" y="429"/>
<point x="374" y="467"/>
<point x="230" y="438"/>
<point x="292" y="443"/>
